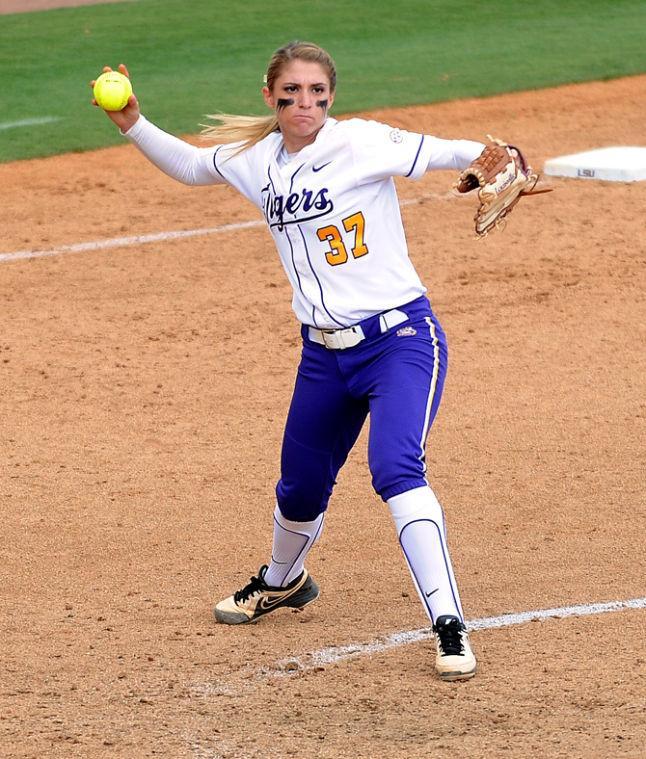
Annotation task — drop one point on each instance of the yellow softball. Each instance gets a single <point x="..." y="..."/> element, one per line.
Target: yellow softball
<point x="112" y="90"/>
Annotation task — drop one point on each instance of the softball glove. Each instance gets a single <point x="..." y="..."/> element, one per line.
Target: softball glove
<point x="502" y="176"/>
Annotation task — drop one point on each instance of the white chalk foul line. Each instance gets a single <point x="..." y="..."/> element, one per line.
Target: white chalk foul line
<point x="249" y="679"/>
<point x="121" y="242"/>
<point x="336" y="654"/>
<point x="37" y="121"/>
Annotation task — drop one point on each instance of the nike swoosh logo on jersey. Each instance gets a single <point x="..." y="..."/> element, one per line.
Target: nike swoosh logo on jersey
<point x="318" y="168"/>
<point x="428" y="595"/>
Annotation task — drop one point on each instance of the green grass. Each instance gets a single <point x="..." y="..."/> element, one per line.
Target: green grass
<point x="191" y="57"/>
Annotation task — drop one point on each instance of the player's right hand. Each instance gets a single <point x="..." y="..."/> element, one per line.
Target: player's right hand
<point x="127" y="116"/>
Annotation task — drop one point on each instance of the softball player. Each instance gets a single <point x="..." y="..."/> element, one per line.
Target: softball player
<point x="371" y="343"/>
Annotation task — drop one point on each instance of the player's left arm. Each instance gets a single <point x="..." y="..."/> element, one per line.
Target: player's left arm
<point x="381" y="151"/>
<point x="452" y="154"/>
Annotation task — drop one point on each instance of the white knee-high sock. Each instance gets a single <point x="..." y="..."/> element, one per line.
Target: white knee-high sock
<point x="292" y="541"/>
<point x="422" y="534"/>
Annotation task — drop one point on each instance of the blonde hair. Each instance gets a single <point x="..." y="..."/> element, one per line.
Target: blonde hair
<point x="252" y="129"/>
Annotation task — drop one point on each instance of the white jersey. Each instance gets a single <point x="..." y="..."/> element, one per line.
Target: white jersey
<point x="332" y="208"/>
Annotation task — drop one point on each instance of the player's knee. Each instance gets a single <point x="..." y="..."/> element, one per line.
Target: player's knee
<point x="302" y="501"/>
<point x="392" y="475"/>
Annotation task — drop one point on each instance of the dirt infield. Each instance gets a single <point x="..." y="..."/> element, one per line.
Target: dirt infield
<point x="144" y="390"/>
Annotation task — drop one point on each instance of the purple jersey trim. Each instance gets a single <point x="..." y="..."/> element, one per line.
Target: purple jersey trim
<point x="291" y="184"/>
<point x="421" y="142"/>
<point x="215" y="165"/>
<point x="318" y="282"/>
<point x="291" y="247"/>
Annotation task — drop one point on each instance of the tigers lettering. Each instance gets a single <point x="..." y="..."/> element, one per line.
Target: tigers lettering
<point x="313" y="204"/>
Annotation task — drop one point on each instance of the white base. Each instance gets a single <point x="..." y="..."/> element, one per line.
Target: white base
<point x="616" y="164"/>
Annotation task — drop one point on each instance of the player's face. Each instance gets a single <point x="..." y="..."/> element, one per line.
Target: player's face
<point x="301" y="97"/>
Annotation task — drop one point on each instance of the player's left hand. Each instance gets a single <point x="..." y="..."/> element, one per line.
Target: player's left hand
<point x="502" y="176"/>
<point x="127" y="117"/>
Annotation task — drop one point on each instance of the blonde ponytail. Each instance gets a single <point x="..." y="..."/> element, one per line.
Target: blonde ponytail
<point x="250" y="130"/>
<point x="232" y="128"/>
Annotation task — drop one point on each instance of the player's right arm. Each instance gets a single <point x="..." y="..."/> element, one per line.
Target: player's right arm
<point x="180" y="160"/>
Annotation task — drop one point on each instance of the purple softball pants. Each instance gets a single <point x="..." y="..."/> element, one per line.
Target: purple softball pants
<point x="396" y="376"/>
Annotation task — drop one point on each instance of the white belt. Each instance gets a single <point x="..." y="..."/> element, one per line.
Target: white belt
<point x="340" y="339"/>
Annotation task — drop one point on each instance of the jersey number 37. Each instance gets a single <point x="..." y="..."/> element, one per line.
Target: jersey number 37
<point x="338" y="253"/>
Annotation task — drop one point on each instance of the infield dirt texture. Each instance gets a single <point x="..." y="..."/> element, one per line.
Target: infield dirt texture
<point x="143" y="390"/>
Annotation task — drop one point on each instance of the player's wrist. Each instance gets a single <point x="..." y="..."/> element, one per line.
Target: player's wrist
<point x="128" y="128"/>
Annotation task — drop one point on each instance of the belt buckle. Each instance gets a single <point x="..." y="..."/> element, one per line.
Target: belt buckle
<point x="330" y="337"/>
<point x="340" y="339"/>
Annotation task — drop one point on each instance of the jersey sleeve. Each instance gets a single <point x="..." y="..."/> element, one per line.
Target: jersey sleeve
<point x="221" y="164"/>
<point x="180" y="160"/>
<point x="452" y="154"/>
<point x="382" y="151"/>
<point x="238" y="168"/>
